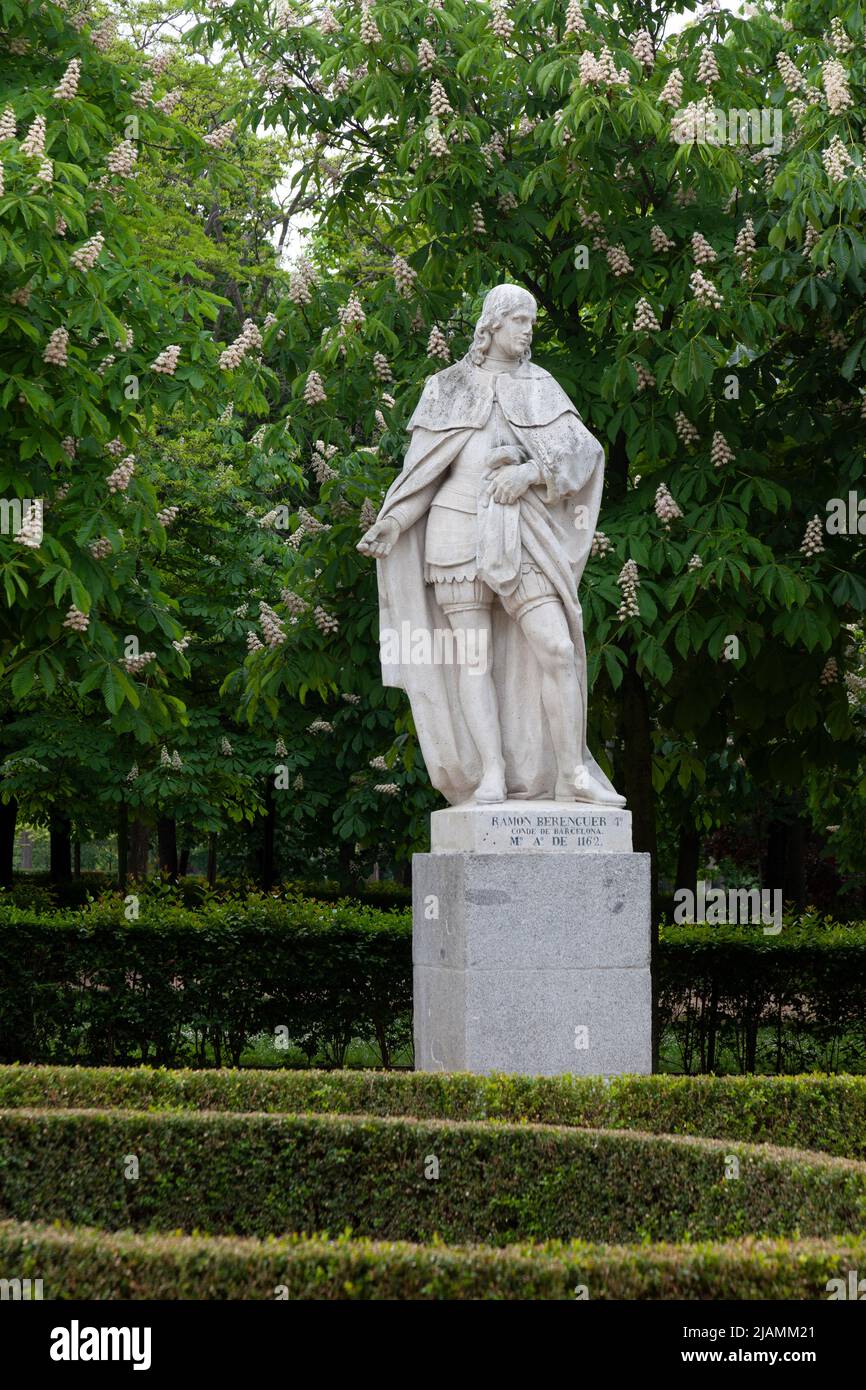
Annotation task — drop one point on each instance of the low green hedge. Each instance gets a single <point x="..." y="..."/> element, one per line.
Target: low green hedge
<point x="255" y="1175"/>
<point x="180" y="986"/>
<point x="176" y="985"/>
<point x="826" y="1113"/>
<point x="785" y="1003"/>
<point x="81" y="1263"/>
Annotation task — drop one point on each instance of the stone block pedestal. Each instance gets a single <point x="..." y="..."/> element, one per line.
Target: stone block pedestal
<point x="531" y="945"/>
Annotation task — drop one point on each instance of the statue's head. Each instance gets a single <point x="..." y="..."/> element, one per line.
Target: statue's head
<point x="505" y="325"/>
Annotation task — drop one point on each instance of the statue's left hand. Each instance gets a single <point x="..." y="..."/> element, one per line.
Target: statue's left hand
<point x="509" y="483"/>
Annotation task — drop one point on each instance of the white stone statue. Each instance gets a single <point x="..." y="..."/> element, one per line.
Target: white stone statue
<point x="483" y="538"/>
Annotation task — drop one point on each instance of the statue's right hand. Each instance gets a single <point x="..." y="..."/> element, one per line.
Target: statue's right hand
<point x="379" y="540"/>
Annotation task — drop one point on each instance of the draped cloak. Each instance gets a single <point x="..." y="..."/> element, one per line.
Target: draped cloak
<point x="557" y="523"/>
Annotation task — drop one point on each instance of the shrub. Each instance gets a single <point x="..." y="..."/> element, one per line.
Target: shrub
<point x="827" y="1113"/>
<point x="81" y="1263"/>
<point x="406" y="1179"/>
<point x="174" y="984"/>
<point x="179" y="985"/>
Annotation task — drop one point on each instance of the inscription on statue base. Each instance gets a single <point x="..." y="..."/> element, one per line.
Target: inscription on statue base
<point x="521" y="827"/>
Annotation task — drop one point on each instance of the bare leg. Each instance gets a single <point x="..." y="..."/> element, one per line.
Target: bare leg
<point x="546" y="630"/>
<point x="478" y="698"/>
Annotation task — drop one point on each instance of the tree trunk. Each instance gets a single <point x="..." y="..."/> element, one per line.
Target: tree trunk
<point x="266" y="869"/>
<point x="688" y="858"/>
<point x="166" y="830"/>
<point x="773" y="866"/>
<point x="139" y="839"/>
<point x="60" y="870"/>
<point x="122" y="845"/>
<point x="183" y="861"/>
<point x="638" y="791"/>
<point x="211" y="860"/>
<point x="794" y="884"/>
<point x="76" y="858"/>
<point x="8" y="817"/>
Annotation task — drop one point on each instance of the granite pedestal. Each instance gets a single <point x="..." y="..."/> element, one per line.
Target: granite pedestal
<point x="531" y="942"/>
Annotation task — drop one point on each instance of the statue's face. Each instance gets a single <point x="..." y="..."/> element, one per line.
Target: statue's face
<point x="514" y="336"/>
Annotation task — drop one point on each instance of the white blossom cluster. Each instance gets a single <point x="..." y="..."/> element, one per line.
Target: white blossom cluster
<point x="813" y="538"/>
<point x="404" y="277"/>
<point x="314" y="390"/>
<point x="642" y="48"/>
<point x="295" y="604"/>
<point x="439" y="103"/>
<point x="836" y="160"/>
<point x="369" y="31"/>
<point x="659" y="240"/>
<point x="830" y="672"/>
<point x="271" y="627"/>
<point x="56" y="349"/>
<point x="629" y="583"/>
<point x="30" y="534"/>
<point x="601" y="71"/>
<point x="704" y="290"/>
<point x="67" y="87"/>
<point x="702" y="251"/>
<point x="645" y="320"/>
<point x="220" y="137"/>
<point x="121" y="160"/>
<point x="792" y="78"/>
<point x="134" y="664"/>
<point x="100" y="548"/>
<point x="501" y="23"/>
<point x="87" y="255"/>
<point x="721" y="452"/>
<point x="437" y="344"/>
<point x="666" y="509"/>
<point x="166" y="362"/>
<point x="351" y="312"/>
<point x="302" y="282"/>
<point x="167" y="515"/>
<point x="685" y="429"/>
<point x="836" y="87"/>
<point x="601" y="546"/>
<point x="708" y="68"/>
<point x="248" y="340"/>
<point x="33" y="144"/>
<point x="672" y="91"/>
<point x="745" y="246"/>
<point x="382" y="367"/>
<point x="119" y="480"/>
<point x="75" y="620"/>
<point x="574" y="20"/>
<point x="618" y="261"/>
<point x="325" y="622"/>
<point x="322" y="469"/>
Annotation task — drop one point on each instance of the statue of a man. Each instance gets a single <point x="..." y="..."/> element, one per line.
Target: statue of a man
<point x="487" y="529"/>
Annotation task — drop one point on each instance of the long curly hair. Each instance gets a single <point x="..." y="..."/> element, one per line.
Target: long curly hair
<point x="502" y="300"/>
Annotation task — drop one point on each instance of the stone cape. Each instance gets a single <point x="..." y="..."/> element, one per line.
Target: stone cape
<point x="455" y="402"/>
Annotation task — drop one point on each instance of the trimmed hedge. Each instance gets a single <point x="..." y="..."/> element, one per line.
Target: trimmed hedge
<point x="826" y="1113"/>
<point x="402" y="1179"/>
<point x="83" y="1263"/>
<point x="179" y="986"/>
<point x="785" y="1003"/>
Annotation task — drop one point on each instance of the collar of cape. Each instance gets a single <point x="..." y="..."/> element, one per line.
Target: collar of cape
<point x="461" y="397"/>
